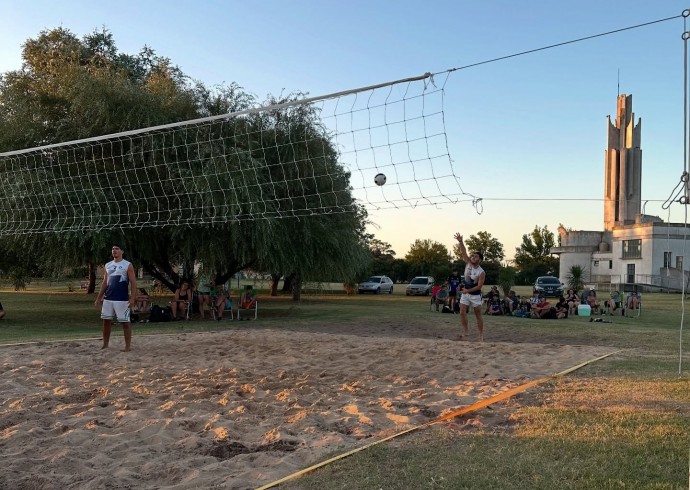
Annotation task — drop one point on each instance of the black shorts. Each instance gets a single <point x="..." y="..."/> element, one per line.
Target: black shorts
<point x="452" y="294"/>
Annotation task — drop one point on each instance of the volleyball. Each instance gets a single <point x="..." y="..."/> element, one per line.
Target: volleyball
<point x="380" y="179"/>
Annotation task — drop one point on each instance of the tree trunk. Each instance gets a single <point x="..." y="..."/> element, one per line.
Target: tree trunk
<point x="296" y="287"/>
<point x="275" y="278"/>
<point x="92" y="279"/>
<point x="287" y="282"/>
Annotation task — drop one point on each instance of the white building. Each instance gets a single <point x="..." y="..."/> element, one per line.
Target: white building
<point x="635" y="251"/>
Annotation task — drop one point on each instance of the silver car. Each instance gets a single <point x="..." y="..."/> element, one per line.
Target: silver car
<point x="420" y="285"/>
<point x="376" y="285"/>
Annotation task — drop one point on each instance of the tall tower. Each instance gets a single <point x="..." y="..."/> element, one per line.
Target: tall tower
<point x="623" y="167"/>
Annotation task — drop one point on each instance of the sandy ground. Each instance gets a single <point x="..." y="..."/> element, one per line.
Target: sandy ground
<point x="234" y="408"/>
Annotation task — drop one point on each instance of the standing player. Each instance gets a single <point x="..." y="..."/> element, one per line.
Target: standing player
<point x="114" y="296"/>
<point x="471" y="292"/>
<point x="453" y="285"/>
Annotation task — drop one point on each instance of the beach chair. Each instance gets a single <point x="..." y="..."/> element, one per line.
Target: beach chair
<point x="248" y="302"/>
<point x="633" y="309"/>
<point x="227" y="306"/>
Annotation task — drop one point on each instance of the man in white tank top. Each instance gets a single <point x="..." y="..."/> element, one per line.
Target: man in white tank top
<point x="471" y="290"/>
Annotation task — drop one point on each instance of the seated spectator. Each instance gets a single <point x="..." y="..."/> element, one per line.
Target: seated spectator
<point x="439" y="299"/>
<point x="494" y="306"/>
<point x="511" y="302"/>
<point x="542" y="308"/>
<point x="573" y="300"/>
<point x="593" y="301"/>
<point x="248" y="298"/>
<point x="489" y="297"/>
<point x="2" y="312"/>
<point x="632" y="303"/>
<point x="534" y="298"/>
<point x="562" y="308"/>
<point x="142" y="300"/>
<point x="181" y="301"/>
<point x="203" y="291"/>
<point x="615" y="302"/>
<point x="220" y="298"/>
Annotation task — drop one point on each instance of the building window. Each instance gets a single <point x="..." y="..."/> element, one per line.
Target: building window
<point x="679" y="262"/>
<point x="632" y="249"/>
<point x="631" y="273"/>
<point x="667" y="260"/>
<point x="610" y="264"/>
<point x="596" y="263"/>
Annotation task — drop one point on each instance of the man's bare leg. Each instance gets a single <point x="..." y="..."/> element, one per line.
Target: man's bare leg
<point x="106" y="333"/>
<point x="480" y="322"/>
<point x="464" y="322"/>
<point x="127" y="329"/>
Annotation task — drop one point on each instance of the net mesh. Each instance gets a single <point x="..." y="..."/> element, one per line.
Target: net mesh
<point x="309" y="157"/>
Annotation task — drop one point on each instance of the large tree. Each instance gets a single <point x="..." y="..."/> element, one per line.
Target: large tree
<point x="428" y="258"/>
<point x="483" y="242"/>
<point x="533" y="257"/>
<point x="70" y="88"/>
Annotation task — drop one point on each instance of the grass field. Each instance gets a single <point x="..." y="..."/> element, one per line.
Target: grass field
<point x="622" y="422"/>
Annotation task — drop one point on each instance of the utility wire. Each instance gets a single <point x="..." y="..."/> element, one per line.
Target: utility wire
<point x="559" y="44"/>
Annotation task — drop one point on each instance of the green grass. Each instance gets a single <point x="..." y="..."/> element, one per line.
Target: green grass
<point x="620" y="423"/>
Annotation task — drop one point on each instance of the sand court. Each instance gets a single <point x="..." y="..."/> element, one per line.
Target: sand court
<point x="235" y="408"/>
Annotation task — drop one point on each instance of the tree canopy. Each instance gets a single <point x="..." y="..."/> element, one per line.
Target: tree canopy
<point x="70" y="88"/>
<point x="428" y="258"/>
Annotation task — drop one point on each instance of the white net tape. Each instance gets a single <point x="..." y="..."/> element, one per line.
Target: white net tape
<point x="302" y="158"/>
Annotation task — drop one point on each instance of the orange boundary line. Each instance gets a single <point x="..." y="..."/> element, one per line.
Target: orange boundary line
<point x="457" y="413"/>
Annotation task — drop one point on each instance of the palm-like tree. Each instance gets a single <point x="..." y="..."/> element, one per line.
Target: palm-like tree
<point x="576" y="277"/>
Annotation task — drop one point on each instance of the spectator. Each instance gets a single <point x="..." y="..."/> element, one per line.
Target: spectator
<point x="439" y="299"/>
<point x="180" y="302"/>
<point x="593" y="301"/>
<point x="142" y="300"/>
<point x="221" y="297"/>
<point x="632" y="303"/>
<point x="542" y="308"/>
<point x="615" y="302"/>
<point x="248" y="299"/>
<point x="511" y="302"/>
<point x="489" y="298"/>
<point x="494" y="306"/>
<point x="573" y="300"/>
<point x="203" y="291"/>
<point x="454" y="281"/>
<point x="562" y="308"/>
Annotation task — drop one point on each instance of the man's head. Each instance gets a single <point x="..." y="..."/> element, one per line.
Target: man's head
<point x="117" y="250"/>
<point x="476" y="257"/>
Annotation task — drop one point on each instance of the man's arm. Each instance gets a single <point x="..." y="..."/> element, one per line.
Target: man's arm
<point x="463" y="250"/>
<point x="133" y="285"/>
<point x="101" y="291"/>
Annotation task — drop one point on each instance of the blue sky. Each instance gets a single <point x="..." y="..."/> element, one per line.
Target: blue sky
<point x="528" y="127"/>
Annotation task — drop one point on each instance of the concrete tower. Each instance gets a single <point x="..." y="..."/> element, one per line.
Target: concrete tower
<point x="623" y="167"/>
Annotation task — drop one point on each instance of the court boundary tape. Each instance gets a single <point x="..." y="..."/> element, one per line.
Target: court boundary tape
<point x="470" y="408"/>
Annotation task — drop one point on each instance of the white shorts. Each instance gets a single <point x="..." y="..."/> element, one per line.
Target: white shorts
<point x="473" y="300"/>
<point x="115" y="309"/>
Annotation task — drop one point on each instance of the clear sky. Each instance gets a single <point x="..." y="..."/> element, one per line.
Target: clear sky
<point x="526" y="128"/>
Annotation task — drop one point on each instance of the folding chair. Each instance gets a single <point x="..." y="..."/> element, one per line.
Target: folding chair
<point x="242" y="304"/>
<point x="227" y="308"/>
<point x="630" y="312"/>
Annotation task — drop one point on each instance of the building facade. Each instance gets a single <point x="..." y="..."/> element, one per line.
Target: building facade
<point x="634" y="251"/>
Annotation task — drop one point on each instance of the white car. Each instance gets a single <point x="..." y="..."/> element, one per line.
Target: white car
<point x="420" y="286"/>
<point x="376" y="285"/>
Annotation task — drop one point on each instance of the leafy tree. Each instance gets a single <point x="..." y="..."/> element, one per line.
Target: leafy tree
<point x="428" y="258"/>
<point x="506" y="279"/>
<point x="533" y="256"/>
<point x="70" y="89"/>
<point x="483" y="242"/>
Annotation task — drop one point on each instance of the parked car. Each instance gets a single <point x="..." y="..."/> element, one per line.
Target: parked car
<point x="420" y="286"/>
<point x="549" y="286"/>
<point x="376" y="285"/>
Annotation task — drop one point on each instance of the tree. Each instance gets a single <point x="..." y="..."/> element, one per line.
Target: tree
<point x="69" y="89"/>
<point x="533" y="257"/>
<point x="483" y="242"/>
<point x="576" y="277"/>
<point x="506" y="279"/>
<point x="428" y="258"/>
<point x="382" y="257"/>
